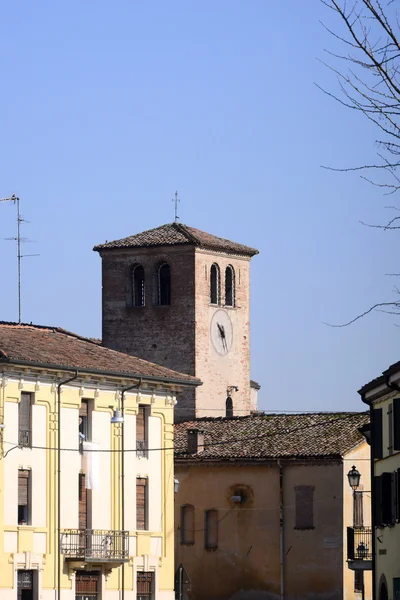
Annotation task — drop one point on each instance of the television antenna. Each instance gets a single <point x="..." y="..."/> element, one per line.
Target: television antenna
<point x="19" y="240"/>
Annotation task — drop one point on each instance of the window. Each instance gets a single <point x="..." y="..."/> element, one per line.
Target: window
<point x="376" y="433"/>
<point x="164" y="285"/>
<point x="229" y="407"/>
<point x="138" y="287"/>
<point x="390" y="428"/>
<point x="145" y="585"/>
<point x="85" y="422"/>
<point x="396" y="424"/>
<point x="187" y="524"/>
<point x="358" y="515"/>
<point x="229" y="286"/>
<point x="142" y="432"/>
<point x="24" y="421"/>
<point x="141" y="504"/>
<point x="214" y="284"/>
<point x="304" y="507"/>
<point x="358" y="581"/>
<point x="24" y="497"/>
<point x="385" y="498"/>
<point x="211" y="529"/>
<point x="87" y="585"/>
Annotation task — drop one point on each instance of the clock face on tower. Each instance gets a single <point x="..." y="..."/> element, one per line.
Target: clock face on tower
<point x="221" y="332"/>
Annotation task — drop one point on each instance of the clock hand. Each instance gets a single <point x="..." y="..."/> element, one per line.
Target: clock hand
<point x="221" y="330"/>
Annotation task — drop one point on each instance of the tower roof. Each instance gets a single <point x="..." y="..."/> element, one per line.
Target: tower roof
<point x="176" y="234"/>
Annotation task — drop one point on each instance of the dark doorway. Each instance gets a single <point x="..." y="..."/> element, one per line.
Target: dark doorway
<point x="383" y="592"/>
<point x="25" y="585"/>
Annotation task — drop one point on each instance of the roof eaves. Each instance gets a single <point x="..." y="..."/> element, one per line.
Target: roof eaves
<point x="116" y="374"/>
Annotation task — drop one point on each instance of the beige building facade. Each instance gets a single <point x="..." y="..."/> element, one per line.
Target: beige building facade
<point x="264" y="505"/>
<point x="86" y="470"/>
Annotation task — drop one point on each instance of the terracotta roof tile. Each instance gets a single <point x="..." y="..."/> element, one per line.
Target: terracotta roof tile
<point x="175" y="234"/>
<point x="56" y="347"/>
<point x="271" y="436"/>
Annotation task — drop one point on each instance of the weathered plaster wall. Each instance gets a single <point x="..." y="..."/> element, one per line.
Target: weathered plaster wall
<point x="246" y="564"/>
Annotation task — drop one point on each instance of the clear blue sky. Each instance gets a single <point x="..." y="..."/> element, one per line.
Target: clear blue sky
<point x="107" y="108"/>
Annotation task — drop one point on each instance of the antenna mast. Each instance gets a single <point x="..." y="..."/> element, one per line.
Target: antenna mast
<point x="176" y="200"/>
<point x="18" y="239"/>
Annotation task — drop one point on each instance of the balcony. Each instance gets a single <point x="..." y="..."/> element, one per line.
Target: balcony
<point x="95" y="545"/>
<point x="359" y="548"/>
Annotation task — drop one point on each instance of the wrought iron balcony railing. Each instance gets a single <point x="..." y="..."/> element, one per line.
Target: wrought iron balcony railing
<point x="359" y="543"/>
<point x="141" y="448"/>
<point x="95" y="545"/>
<point x="24" y="438"/>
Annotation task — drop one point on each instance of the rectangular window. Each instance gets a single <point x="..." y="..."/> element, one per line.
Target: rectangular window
<point x="85" y="420"/>
<point x="211" y="529"/>
<point x="358" y="515"/>
<point x="304" y="507"/>
<point x="388" y="507"/>
<point x="87" y="585"/>
<point x="358" y="581"/>
<point x="25" y="421"/>
<point x="376" y="433"/>
<point x="187" y="524"/>
<point x="24" y="497"/>
<point x="390" y="428"/>
<point x="145" y="585"/>
<point x="142" y="427"/>
<point x="141" y="504"/>
<point x="396" y="424"/>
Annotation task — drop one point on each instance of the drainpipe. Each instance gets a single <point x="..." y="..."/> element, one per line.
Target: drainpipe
<point x="59" y="481"/>
<point x="282" y="531"/>
<point x="127" y="389"/>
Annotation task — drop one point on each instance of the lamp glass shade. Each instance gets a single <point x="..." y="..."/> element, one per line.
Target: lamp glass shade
<point x="117" y="417"/>
<point x="354" y="477"/>
<point x="176" y="485"/>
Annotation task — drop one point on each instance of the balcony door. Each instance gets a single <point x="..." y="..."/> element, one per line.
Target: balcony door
<point x="26" y="585"/>
<point x="87" y="585"/>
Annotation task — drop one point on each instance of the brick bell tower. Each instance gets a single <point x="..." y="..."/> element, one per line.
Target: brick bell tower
<point x="180" y="297"/>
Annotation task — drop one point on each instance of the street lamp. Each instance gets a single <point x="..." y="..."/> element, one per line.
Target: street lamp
<point x="117" y="417"/>
<point x="354" y="477"/>
<point x="176" y="485"/>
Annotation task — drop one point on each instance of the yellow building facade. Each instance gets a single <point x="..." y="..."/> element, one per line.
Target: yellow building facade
<point x="86" y="470"/>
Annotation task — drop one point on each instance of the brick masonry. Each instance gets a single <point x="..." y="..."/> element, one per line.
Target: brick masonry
<point x="178" y="336"/>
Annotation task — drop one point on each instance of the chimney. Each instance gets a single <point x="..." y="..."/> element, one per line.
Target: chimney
<point x="195" y="441"/>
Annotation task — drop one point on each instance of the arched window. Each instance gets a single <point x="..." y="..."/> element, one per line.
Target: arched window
<point x="229" y="286"/>
<point x="164" y="285"/>
<point x="229" y="407"/>
<point x="187" y="524"/>
<point x="211" y="528"/>
<point x="138" y="291"/>
<point x="214" y="284"/>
